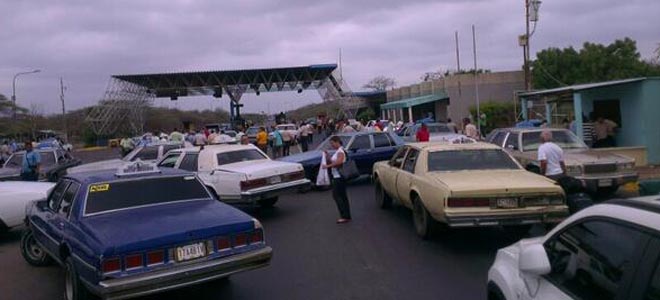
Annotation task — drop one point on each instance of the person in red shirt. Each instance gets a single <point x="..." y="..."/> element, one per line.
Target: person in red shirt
<point x="423" y="134"/>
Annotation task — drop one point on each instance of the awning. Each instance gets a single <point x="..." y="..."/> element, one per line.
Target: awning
<point x="409" y="102"/>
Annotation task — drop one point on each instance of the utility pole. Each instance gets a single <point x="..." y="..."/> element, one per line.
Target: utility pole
<point x="458" y="55"/>
<point x="64" y="121"/>
<point x="528" y="75"/>
<point x="476" y="79"/>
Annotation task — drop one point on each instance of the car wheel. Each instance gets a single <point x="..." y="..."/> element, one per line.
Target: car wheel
<point x="424" y="223"/>
<point x="32" y="252"/>
<point x="267" y="203"/>
<point x="73" y="287"/>
<point x="383" y="200"/>
<point x="494" y="292"/>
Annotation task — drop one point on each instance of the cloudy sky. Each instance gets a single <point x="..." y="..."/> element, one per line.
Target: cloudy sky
<point x="87" y="41"/>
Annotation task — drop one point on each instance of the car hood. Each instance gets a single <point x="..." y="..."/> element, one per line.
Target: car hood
<point x="40" y="190"/>
<point x="99" y="165"/>
<point x="261" y="168"/>
<point x="164" y="225"/>
<point x="309" y="157"/>
<point x="495" y="182"/>
<point x="586" y="156"/>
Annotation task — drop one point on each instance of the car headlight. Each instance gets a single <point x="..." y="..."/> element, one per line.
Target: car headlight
<point x="556" y="200"/>
<point x="574" y="170"/>
<point x="626" y="166"/>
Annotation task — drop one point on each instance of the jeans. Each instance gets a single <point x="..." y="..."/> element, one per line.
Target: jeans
<point x="341" y="198"/>
<point x="303" y="143"/>
<point x="286" y="148"/>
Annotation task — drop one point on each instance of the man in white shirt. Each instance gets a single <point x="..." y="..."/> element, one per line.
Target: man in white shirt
<point x="551" y="157"/>
<point x="470" y="130"/>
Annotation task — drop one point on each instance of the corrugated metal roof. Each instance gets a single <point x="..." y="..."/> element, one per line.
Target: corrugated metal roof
<point x="405" y="103"/>
<point x="580" y="87"/>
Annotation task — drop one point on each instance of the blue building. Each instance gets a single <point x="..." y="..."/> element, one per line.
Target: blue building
<point x="634" y="104"/>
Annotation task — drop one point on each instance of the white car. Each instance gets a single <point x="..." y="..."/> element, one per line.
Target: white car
<point x="15" y="196"/>
<point x="149" y="153"/>
<point x="606" y="251"/>
<point x="239" y="174"/>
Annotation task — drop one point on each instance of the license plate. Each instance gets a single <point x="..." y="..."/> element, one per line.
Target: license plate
<point x="507" y="203"/>
<point x="275" y="179"/>
<point x="190" y="252"/>
<point x="604" y="182"/>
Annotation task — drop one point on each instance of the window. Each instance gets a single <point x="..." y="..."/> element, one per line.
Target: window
<point x="563" y="138"/>
<point x="189" y="162"/>
<point x="147" y="153"/>
<point x="361" y="142"/>
<point x="67" y="198"/>
<point x="56" y="195"/>
<point x="411" y="159"/>
<point x="47" y="158"/>
<point x="381" y="140"/>
<point x="589" y="260"/>
<point x="151" y="191"/>
<point x="397" y="159"/>
<point x="170" y="160"/>
<point x="167" y="148"/>
<point x="239" y="156"/>
<point x="512" y="141"/>
<point x="15" y="161"/>
<point x="326" y="144"/>
<point x="498" y="139"/>
<point x="459" y="160"/>
<point x="653" y="290"/>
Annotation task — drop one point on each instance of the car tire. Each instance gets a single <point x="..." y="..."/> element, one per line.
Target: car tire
<point x="383" y="200"/>
<point x="74" y="289"/>
<point x="494" y="292"/>
<point x="268" y="203"/>
<point x="423" y="221"/>
<point x="32" y="252"/>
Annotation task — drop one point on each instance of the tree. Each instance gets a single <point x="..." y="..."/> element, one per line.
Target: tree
<point x="556" y="67"/>
<point x="380" y="83"/>
<point x="430" y="76"/>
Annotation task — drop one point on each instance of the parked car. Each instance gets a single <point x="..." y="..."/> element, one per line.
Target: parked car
<point x="252" y="133"/>
<point x="438" y="132"/>
<point x="54" y="163"/>
<point x="365" y="148"/>
<point x="148" y="153"/>
<point x="606" y="251"/>
<point x="292" y="129"/>
<point x="138" y="231"/>
<point x="466" y="185"/>
<point x="239" y="174"/>
<point x="53" y="143"/>
<point x="15" y="196"/>
<point x="603" y="172"/>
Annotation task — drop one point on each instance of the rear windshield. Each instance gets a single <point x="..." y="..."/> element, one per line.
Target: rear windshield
<point x="147" y="153"/>
<point x="460" y="160"/>
<point x="126" y="194"/>
<point x="239" y="156"/>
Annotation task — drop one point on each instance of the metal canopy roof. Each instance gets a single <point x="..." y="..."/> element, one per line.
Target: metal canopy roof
<point x="250" y="80"/>
<point x="580" y="87"/>
<point x="409" y="102"/>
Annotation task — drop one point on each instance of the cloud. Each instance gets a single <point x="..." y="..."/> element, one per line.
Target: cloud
<point x="87" y="41"/>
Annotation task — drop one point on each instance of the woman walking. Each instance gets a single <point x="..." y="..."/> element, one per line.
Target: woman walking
<point x="338" y="183"/>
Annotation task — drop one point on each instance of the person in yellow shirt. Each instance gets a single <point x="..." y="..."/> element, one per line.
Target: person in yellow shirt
<point x="262" y="139"/>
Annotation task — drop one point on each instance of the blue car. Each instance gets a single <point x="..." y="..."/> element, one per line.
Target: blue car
<point x="365" y="148"/>
<point x="139" y="231"/>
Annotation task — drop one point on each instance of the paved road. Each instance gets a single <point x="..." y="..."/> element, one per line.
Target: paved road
<point x="377" y="256"/>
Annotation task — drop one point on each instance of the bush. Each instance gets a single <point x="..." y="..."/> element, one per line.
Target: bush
<point x="498" y="115"/>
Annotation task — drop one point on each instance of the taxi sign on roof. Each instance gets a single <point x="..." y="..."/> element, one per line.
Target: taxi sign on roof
<point x="137" y="167"/>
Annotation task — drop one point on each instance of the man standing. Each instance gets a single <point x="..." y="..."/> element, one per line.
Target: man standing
<point x="31" y="164"/>
<point x="176" y="136"/>
<point x="469" y="129"/>
<point x="451" y="125"/>
<point x="310" y="134"/>
<point x="200" y="139"/>
<point x="126" y="145"/>
<point x="422" y="134"/>
<point x="277" y="143"/>
<point x="286" y="139"/>
<point x="4" y="152"/>
<point x="303" y="136"/>
<point x="551" y="157"/>
<point x="604" y="131"/>
<point x="262" y="139"/>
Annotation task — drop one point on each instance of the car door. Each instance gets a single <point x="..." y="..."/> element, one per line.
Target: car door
<point x="360" y="150"/>
<point x="60" y="217"/>
<point x="189" y="162"/>
<point x="646" y="284"/>
<point x="405" y="177"/>
<point x="391" y="171"/>
<point x="44" y="231"/>
<point x="590" y="259"/>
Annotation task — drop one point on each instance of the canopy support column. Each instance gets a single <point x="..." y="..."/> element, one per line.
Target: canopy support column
<point x="577" y="108"/>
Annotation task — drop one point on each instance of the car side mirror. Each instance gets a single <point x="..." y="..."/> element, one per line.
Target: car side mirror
<point x="42" y="204"/>
<point x="534" y="260"/>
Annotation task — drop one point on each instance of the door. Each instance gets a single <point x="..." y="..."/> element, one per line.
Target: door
<point x="384" y="147"/>
<point x="43" y="227"/>
<point x="360" y="150"/>
<point x="405" y="177"/>
<point x="388" y="177"/>
<point x="594" y="259"/>
<point x="60" y="217"/>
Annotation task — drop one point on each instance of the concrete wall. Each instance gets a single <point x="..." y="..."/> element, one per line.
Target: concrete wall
<point x="650" y="121"/>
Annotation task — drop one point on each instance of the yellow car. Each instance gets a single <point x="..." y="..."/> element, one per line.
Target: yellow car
<point x="466" y="185"/>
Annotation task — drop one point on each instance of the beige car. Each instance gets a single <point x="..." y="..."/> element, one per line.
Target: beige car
<point x="466" y="185"/>
<point x="603" y="172"/>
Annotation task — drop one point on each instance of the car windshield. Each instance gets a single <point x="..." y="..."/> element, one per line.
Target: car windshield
<point x="563" y="138"/>
<point x="16" y="160"/>
<point x="438" y="128"/>
<point x="239" y="156"/>
<point x="109" y="196"/>
<point x="462" y="160"/>
<point x="326" y="144"/>
<point x="143" y="153"/>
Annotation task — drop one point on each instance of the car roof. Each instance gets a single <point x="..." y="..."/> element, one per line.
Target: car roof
<point x="530" y="129"/>
<point x="110" y="175"/>
<point x="643" y="211"/>
<point x="442" y="146"/>
<point x="359" y="133"/>
<point x="38" y="150"/>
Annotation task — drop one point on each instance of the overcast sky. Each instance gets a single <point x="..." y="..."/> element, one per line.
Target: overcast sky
<point x="87" y="41"/>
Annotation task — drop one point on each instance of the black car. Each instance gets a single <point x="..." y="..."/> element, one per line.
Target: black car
<point x="54" y="162"/>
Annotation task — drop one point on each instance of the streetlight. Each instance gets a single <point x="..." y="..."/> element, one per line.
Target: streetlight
<point x="13" y="87"/>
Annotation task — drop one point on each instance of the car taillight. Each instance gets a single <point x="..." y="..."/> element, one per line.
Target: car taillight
<point x="155" y="257"/>
<point x="133" y="261"/>
<point x="240" y="239"/>
<point x="252" y="184"/>
<point x="223" y="243"/>
<point x="111" y="265"/>
<point x="468" y="202"/>
<point x="257" y="236"/>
